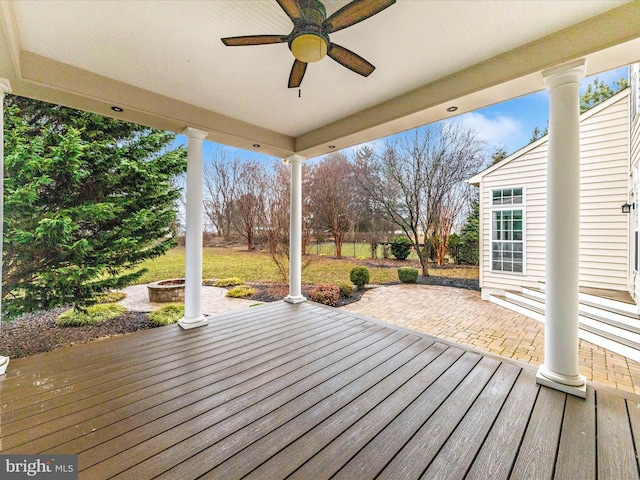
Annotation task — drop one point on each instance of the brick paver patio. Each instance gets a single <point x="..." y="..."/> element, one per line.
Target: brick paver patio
<point x="462" y="316"/>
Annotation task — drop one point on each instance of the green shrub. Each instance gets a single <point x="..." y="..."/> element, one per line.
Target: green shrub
<point x="326" y="294"/>
<point x="359" y="276"/>
<point x="167" y="314"/>
<point x="346" y="289"/>
<point x="241" y="291"/>
<point x="401" y="248"/>
<point x="110" y="297"/>
<point x="228" y="282"/>
<point x="92" y="314"/>
<point x="408" y="274"/>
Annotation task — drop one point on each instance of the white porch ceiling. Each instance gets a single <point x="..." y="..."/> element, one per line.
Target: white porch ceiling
<point x="164" y="63"/>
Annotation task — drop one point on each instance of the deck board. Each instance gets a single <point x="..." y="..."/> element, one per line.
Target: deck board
<point x="305" y="391"/>
<point x="537" y="454"/>
<point x="616" y="457"/>
<point x="338" y="451"/>
<point x="414" y="458"/>
<point x="379" y="452"/>
<point x="166" y="375"/>
<point x="498" y="452"/>
<point x="577" y="449"/>
<point x="456" y="456"/>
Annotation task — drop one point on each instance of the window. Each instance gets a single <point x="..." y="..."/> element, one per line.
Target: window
<point x="507" y="231"/>
<point x="510" y="196"/>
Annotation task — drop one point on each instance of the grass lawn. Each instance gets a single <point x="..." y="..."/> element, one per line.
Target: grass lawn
<point x="219" y="262"/>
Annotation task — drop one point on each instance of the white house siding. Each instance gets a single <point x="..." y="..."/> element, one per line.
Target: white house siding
<point x="634" y="158"/>
<point x="604" y="136"/>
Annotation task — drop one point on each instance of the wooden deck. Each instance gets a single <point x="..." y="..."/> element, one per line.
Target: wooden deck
<point x="307" y="392"/>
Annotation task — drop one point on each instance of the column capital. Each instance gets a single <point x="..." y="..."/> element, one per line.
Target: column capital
<point x="195" y="133"/>
<point x="293" y="159"/>
<point x="571" y="72"/>
<point x="5" y="86"/>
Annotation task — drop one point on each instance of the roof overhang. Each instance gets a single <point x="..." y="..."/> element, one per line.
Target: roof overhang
<point x="607" y="40"/>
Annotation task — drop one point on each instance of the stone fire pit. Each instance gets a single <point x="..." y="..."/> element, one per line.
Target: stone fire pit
<point x="166" y="291"/>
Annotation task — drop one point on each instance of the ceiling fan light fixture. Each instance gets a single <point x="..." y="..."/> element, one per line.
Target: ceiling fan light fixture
<point x="309" y="48"/>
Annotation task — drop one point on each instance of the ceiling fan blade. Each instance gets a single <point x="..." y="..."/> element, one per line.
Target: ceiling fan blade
<point x="254" y="40"/>
<point x="297" y="74"/>
<point x="353" y="13"/>
<point x="291" y="8"/>
<point x="352" y="61"/>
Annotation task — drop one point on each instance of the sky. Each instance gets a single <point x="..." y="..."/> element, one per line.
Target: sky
<point x="508" y="124"/>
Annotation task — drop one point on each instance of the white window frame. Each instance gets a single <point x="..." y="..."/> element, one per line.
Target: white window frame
<point x="508" y="207"/>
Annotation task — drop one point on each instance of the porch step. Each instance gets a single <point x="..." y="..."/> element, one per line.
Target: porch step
<point x="623" y="308"/>
<point x="601" y="324"/>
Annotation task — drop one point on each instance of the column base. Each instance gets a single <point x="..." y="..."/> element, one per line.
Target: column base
<point x="4" y="363"/>
<point x="189" y="323"/>
<point x="295" y="298"/>
<point x="576" y="386"/>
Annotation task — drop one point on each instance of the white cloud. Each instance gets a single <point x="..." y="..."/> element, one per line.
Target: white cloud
<point x="498" y="131"/>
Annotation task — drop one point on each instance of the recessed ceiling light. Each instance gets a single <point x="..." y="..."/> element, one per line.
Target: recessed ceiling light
<point x="256" y="145"/>
<point x="452" y="109"/>
<point x="332" y="146"/>
<point x="117" y="109"/>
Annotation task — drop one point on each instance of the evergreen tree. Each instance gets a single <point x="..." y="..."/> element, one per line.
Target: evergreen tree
<point x="470" y="237"/>
<point x="499" y="155"/>
<point x="87" y="198"/>
<point x="537" y="133"/>
<point x="598" y="91"/>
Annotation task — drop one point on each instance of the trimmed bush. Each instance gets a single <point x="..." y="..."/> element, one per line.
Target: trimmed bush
<point x="326" y="294"/>
<point x="92" y="314"/>
<point x="359" y="276"/>
<point x="241" y="291"/>
<point x="228" y="282"/>
<point x="346" y="289"/>
<point x="408" y="274"/>
<point x="167" y="314"/>
<point x="401" y="248"/>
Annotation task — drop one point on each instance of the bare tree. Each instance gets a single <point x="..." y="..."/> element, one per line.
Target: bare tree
<point x="331" y="196"/>
<point x="451" y="211"/>
<point x="220" y="179"/>
<point x="458" y="154"/>
<point x="367" y="216"/>
<point x="412" y="181"/>
<point x="275" y="218"/>
<point x="250" y="186"/>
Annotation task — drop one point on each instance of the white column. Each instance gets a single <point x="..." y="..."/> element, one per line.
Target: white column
<point x="4" y="89"/>
<point x="560" y="368"/>
<point x="193" y="316"/>
<point x="295" y="232"/>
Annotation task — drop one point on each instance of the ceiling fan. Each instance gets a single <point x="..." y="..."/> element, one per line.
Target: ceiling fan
<point x="309" y="40"/>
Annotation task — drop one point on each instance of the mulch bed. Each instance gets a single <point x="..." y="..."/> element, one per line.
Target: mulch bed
<point x="38" y="332"/>
<point x="272" y="292"/>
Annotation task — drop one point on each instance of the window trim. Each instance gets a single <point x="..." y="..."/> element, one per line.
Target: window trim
<point x="508" y="207"/>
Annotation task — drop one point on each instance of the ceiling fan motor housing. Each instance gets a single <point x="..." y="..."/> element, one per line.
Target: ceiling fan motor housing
<point x="307" y="41"/>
